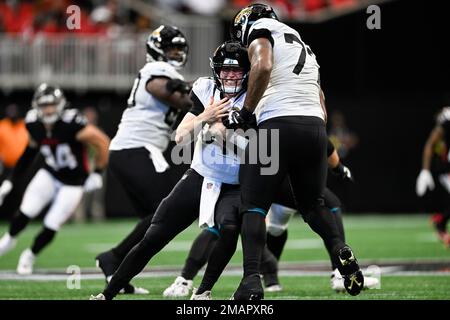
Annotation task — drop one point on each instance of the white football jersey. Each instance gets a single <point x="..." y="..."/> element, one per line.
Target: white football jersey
<point x="293" y="88"/>
<point x="146" y="120"/>
<point x="209" y="159"/>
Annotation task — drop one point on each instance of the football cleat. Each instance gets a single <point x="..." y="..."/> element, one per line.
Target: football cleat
<point x="250" y="288"/>
<point x="179" y="288"/>
<point x="273" y="288"/>
<point x="100" y="296"/>
<point x="350" y="271"/>
<point x="108" y="262"/>
<point x="337" y="282"/>
<point x="26" y="262"/>
<point x="7" y="243"/>
<point x="203" y="296"/>
<point x="130" y="289"/>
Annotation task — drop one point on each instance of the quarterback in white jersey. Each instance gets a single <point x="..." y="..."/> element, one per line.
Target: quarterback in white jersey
<point x="284" y="92"/>
<point x="158" y="96"/>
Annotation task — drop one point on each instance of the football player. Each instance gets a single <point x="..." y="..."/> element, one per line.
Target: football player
<point x="426" y="179"/>
<point x="277" y="224"/>
<point x="60" y="135"/>
<point x="209" y="189"/>
<point x="159" y="95"/>
<point x="285" y="94"/>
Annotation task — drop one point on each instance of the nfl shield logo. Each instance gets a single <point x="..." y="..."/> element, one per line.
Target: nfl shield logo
<point x="209" y="185"/>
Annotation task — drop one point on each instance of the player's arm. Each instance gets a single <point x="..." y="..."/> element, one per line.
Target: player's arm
<point x="173" y="92"/>
<point x="92" y="135"/>
<point x="335" y="165"/>
<point x="23" y="164"/>
<point x="260" y="54"/>
<point x="435" y="136"/>
<point x="425" y="179"/>
<point x="194" y="120"/>
<point x="322" y="103"/>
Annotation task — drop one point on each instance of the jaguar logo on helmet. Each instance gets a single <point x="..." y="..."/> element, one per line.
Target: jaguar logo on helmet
<point x="244" y="19"/>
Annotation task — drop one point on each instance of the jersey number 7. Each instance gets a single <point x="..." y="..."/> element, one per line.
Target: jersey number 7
<point x="291" y="38"/>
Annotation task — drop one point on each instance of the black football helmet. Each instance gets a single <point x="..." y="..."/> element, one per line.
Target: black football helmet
<point x="244" y="19"/>
<point x="233" y="55"/>
<point x="164" y="38"/>
<point x="46" y="95"/>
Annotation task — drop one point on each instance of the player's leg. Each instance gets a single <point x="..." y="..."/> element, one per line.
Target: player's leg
<point x="258" y="188"/>
<point x="307" y="173"/>
<point x="65" y="202"/>
<point x="175" y="213"/>
<point x="38" y="194"/>
<point x="277" y="225"/>
<point x="228" y="218"/>
<point x="145" y="187"/>
<point x="198" y="256"/>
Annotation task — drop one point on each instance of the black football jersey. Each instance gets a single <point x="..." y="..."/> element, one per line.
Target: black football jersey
<point x="65" y="157"/>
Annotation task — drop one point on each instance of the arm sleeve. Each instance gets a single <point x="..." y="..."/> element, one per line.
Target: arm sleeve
<point x="197" y="105"/>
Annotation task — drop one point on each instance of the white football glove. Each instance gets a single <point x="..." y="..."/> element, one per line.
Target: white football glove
<point x="5" y="189"/>
<point x="424" y="181"/>
<point x="93" y="182"/>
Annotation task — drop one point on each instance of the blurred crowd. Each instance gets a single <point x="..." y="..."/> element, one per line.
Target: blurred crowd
<point x="109" y="17"/>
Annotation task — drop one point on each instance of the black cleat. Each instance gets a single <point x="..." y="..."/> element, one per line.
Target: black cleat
<point x="108" y="263"/>
<point x="250" y="288"/>
<point x="349" y="269"/>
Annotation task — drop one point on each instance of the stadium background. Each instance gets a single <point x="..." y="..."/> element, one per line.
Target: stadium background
<point x="388" y="83"/>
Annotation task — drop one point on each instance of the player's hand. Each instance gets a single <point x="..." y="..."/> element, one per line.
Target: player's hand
<point x="424" y="181"/>
<point x="215" y="110"/>
<point x="5" y="189"/>
<point x="233" y="120"/>
<point x="343" y="173"/>
<point x="93" y="182"/>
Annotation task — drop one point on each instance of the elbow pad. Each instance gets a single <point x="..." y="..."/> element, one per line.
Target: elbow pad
<point x="178" y="85"/>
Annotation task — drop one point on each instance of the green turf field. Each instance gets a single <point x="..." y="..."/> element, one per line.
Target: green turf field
<point x="375" y="239"/>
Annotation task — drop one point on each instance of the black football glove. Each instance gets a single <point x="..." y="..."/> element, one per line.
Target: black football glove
<point x="342" y="172"/>
<point x="238" y="119"/>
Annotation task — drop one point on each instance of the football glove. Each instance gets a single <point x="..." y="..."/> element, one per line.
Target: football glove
<point x="93" y="182"/>
<point x="424" y="181"/>
<point x="5" y="189"/>
<point x="233" y="120"/>
<point x="343" y="173"/>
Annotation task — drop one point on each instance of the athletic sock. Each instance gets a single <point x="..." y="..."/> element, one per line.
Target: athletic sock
<point x="276" y="243"/>
<point x="198" y="255"/>
<point x="220" y="256"/>
<point x="253" y="233"/>
<point x="42" y="240"/>
<point x="18" y="223"/>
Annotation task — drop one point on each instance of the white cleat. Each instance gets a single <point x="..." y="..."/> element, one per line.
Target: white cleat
<point x="136" y="290"/>
<point x="337" y="282"/>
<point x="7" y="243"/>
<point x="274" y="288"/>
<point x="371" y="283"/>
<point x="100" y="296"/>
<point x="26" y="262"/>
<point x="204" y="296"/>
<point x="179" y="288"/>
